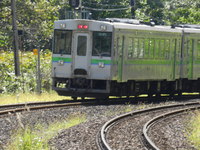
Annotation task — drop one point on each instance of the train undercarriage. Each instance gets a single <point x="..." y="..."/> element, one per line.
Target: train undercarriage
<point x="81" y="87"/>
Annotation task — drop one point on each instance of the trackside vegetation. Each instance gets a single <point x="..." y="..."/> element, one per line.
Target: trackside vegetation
<point x="25" y="83"/>
<point x="30" y="97"/>
<point x="37" y="138"/>
<point x="194" y="130"/>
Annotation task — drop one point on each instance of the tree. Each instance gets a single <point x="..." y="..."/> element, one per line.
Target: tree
<point x="35" y="18"/>
<point x="182" y="12"/>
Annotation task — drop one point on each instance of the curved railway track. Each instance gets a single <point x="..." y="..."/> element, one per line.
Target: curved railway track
<point x="14" y="108"/>
<point x="141" y="138"/>
<point x="62" y="103"/>
<point x="147" y="140"/>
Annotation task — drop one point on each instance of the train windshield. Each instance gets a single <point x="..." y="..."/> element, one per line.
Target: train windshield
<point x="62" y="42"/>
<point x="102" y="44"/>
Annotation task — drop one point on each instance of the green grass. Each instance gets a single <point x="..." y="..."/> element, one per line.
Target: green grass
<point x="29" y="97"/>
<point x="193" y="133"/>
<point x="38" y="137"/>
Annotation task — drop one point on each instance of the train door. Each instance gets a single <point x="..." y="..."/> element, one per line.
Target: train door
<point x="82" y="54"/>
<point x="187" y="58"/>
<point x="120" y="46"/>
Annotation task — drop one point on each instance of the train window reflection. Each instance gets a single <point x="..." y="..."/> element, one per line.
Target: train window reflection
<point x="82" y="46"/>
<point x="198" y="48"/>
<point x="102" y="44"/>
<point x="62" y="42"/>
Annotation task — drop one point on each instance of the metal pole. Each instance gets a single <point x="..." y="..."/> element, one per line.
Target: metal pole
<point x="15" y="38"/>
<point x="38" y="74"/>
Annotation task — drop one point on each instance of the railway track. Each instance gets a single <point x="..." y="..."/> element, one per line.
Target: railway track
<point x="62" y="103"/>
<point x="14" y="108"/>
<point x="113" y="134"/>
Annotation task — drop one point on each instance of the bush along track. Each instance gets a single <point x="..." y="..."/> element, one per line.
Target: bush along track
<point x="27" y="81"/>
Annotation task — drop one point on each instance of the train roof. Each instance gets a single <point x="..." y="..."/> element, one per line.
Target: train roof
<point x="116" y="23"/>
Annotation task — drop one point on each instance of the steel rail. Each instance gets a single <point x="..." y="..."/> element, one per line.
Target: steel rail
<point x="134" y="100"/>
<point x="151" y="145"/>
<point x="103" y="143"/>
<point x="27" y="108"/>
<point x="39" y="103"/>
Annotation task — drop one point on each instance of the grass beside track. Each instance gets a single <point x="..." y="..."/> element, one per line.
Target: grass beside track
<point x="29" y="97"/>
<point x="194" y="130"/>
<point x="37" y="138"/>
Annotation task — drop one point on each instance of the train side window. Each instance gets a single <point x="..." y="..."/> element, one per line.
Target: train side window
<point x="198" y="49"/>
<point x="146" y="48"/>
<point x="151" y="48"/>
<point x="82" y="46"/>
<point x="135" y="48"/>
<point x="130" y="47"/>
<point x="188" y="47"/>
<point x="119" y="46"/>
<point x="178" y="50"/>
<point x="162" y="48"/>
<point x="102" y="44"/>
<point x="157" y="48"/>
<point x="167" y="49"/>
<point x="62" y="42"/>
<point x="141" y="48"/>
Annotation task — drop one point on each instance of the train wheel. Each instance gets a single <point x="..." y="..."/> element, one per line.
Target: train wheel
<point x="74" y="98"/>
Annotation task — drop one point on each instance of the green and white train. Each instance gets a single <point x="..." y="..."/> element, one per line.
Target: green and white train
<point x="124" y="58"/>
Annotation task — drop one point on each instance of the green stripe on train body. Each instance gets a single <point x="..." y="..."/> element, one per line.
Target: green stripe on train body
<point x="66" y="60"/>
<point x="97" y="61"/>
<point x="148" y="62"/>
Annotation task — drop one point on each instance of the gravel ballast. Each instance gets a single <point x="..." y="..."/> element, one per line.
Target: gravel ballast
<point x="80" y="137"/>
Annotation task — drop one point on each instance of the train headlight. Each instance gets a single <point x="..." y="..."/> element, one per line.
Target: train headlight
<point x="62" y="25"/>
<point x="101" y="65"/>
<point x="60" y="62"/>
<point x="103" y="28"/>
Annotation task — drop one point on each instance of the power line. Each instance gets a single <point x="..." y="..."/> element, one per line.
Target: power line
<point x="102" y="9"/>
<point x="102" y="4"/>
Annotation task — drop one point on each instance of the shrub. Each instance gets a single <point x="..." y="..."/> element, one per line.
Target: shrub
<point x="27" y="81"/>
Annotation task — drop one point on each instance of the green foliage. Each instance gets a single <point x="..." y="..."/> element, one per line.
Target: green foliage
<point x="27" y="81"/>
<point x="27" y="140"/>
<point x="112" y="4"/>
<point x="34" y="17"/>
<point x="193" y="130"/>
<point x="182" y="12"/>
<point x="36" y="138"/>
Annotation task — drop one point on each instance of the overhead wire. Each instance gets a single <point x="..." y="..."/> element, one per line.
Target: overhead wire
<point x="102" y="9"/>
<point x="120" y="7"/>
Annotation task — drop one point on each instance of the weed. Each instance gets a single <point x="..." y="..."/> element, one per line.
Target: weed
<point x="37" y="138"/>
<point x="193" y="130"/>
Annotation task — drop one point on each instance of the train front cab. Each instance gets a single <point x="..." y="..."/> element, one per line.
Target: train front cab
<point x="82" y="59"/>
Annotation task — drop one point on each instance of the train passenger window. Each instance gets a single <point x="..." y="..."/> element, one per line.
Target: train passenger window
<point x="130" y="47"/>
<point x="167" y="49"/>
<point x="136" y="48"/>
<point x="162" y="48"/>
<point x="102" y="44"/>
<point x="178" y="50"/>
<point x="151" y="48"/>
<point x="146" y="47"/>
<point x="187" y="47"/>
<point x="62" y="42"/>
<point x="157" y="48"/>
<point x="82" y="46"/>
<point x="198" y="48"/>
<point x="141" y="48"/>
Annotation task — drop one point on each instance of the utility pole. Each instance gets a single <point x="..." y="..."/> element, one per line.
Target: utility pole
<point x="132" y="3"/>
<point x="15" y="38"/>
